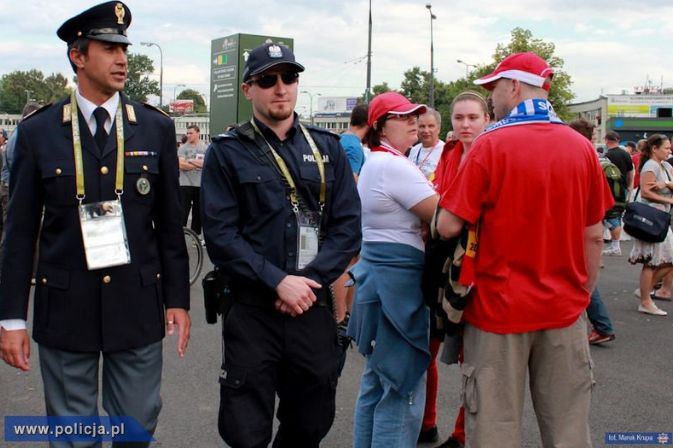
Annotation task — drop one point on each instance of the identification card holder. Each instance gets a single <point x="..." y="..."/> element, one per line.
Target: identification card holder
<point x="308" y="238"/>
<point x="104" y="234"/>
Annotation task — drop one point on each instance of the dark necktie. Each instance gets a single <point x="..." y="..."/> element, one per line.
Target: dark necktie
<point x="101" y="135"/>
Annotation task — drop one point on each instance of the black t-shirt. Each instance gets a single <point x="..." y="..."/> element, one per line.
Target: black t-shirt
<point x="622" y="159"/>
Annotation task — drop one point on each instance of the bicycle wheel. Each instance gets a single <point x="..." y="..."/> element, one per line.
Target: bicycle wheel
<point x="195" y="252"/>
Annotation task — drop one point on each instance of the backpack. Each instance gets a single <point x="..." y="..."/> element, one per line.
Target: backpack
<point x="614" y="178"/>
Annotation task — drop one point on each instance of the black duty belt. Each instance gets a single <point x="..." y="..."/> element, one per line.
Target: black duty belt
<point x="256" y="296"/>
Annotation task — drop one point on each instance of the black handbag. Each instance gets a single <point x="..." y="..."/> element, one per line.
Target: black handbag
<point x="646" y="223"/>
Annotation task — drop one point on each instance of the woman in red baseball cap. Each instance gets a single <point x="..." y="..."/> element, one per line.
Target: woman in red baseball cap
<point x="390" y="320"/>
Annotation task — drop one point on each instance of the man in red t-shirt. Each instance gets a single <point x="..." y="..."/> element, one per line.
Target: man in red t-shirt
<point x="537" y="191"/>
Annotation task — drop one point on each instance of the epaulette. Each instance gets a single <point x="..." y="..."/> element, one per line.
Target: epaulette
<point x="225" y="136"/>
<point x="312" y="128"/>
<point x="36" y="111"/>
<point x="149" y="106"/>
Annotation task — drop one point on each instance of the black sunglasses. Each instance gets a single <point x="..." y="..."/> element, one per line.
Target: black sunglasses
<point x="268" y="81"/>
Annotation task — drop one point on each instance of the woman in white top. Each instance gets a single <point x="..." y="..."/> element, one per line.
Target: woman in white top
<point x="656" y="189"/>
<point x="390" y="321"/>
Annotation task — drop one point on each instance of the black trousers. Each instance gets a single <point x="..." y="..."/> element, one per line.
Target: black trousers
<point x="268" y="353"/>
<point x="190" y="199"/>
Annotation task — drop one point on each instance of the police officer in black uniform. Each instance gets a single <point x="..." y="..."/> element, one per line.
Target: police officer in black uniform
<point x="281" y="218"/>
<point x="97" y="150"/>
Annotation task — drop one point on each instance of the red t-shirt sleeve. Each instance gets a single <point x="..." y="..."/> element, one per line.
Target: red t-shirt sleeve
<point x="600" y="196"/>
<point x="467" y="192"/>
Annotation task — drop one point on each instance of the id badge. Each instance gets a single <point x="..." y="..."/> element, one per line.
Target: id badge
<point x="104" y="234"/>
<point x="308" y="225"/>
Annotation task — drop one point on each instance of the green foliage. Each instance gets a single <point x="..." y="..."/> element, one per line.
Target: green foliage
<point x="416" y="82"/>
<point x="13" y="87"/>
<point x="199" y="102"/>
<point x="381" y="88"/>
<point x="416" y="87"/>
<point x="378" y="88"/>
<point x="522" y="40"/>
<point x="138" y="84"/>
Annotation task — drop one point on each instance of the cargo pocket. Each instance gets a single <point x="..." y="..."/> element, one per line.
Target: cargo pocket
<point x="233" y="377"/>
<point x="233" y="415"/>
<point x="468" y="392"/>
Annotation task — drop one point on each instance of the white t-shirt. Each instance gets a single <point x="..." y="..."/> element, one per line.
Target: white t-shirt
<point x="427" y="158"/>
<point x="389" y="186"/>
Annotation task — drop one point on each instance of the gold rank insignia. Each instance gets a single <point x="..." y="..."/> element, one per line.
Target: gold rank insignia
<point x="131" y="114"/>
<point x="119" y="12"/>
<point x="67" y="113"/>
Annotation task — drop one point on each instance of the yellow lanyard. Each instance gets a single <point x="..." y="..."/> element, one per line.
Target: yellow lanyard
<point x="286" y="172"/>
<point x="77" y="149"/>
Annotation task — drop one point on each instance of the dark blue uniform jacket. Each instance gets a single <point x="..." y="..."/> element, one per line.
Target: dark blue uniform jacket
<point x="109" y="309"/>
<point x="248" y="222"/>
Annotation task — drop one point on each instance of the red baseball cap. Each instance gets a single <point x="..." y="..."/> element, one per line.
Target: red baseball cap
<point x="525" y="67"/>
<point x="392" y="103"/>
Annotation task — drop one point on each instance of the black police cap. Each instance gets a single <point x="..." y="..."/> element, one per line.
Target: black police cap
<point x="266" y="56"/>
<point x="106" y="22"/>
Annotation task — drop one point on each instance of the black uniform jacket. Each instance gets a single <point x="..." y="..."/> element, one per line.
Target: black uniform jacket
<point x="248" y="222"/>
<point x="109" y="309"/>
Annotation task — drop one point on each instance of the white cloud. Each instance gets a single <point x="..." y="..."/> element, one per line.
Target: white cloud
<point x="607" y="45"/>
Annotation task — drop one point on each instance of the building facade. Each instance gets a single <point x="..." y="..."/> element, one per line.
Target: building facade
<point x="201" y="120"/>
<point x="334" y="112"/>
<point x="8" y="122"/>
<point x="634" y="116"/>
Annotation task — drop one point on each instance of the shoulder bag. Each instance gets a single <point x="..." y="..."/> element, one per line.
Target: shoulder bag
<point x="644" y="222"/>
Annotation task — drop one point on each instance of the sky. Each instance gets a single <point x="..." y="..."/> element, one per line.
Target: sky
<point x="608" y="46"/>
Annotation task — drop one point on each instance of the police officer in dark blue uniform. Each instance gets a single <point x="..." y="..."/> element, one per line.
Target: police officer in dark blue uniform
<point x="112" y="272"/>
<point x="281" y="218"/>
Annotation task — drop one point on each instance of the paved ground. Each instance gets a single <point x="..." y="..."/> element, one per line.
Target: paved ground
<point x="634" y="374"/>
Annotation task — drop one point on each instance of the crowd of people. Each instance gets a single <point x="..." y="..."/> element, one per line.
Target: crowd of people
<point x="389" y="233"/>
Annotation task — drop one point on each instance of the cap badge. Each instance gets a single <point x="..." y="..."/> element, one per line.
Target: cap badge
<point x="275" y="51"/>
<point x="119" y="12"/>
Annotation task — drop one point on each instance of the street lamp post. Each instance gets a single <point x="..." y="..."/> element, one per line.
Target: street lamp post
<point x="161" y="70"/>
<point x="467" y="66"/>
<point x="28" y="92"/>
<point x="431" y="96"/>
<point x="174" y="88"/>
<point x="311" y="105"/>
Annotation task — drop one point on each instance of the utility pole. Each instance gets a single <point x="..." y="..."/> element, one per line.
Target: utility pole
<point x="369" y="57"/>
<point x="431" y="95"/>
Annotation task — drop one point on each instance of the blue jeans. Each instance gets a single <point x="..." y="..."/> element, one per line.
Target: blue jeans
<point x="383" y="417"/>
<point x="598" y="314"/>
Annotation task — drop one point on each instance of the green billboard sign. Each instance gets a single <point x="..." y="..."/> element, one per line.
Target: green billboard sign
<point x="227" y="59"/>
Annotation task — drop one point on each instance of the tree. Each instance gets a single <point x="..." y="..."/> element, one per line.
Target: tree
<point x="17" y="87"/>
<point x="376" y="89"/>
<point x="416" y="85"/>
<point x="416" y="82"/>
<point x="199" y="102"/>
<point x="138" y="84"/>
<point x="381" y="88"/>
<point x="522" y="40"/>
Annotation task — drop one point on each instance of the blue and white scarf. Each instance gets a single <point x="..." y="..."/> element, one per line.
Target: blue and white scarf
<point x="528" y="112"/>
